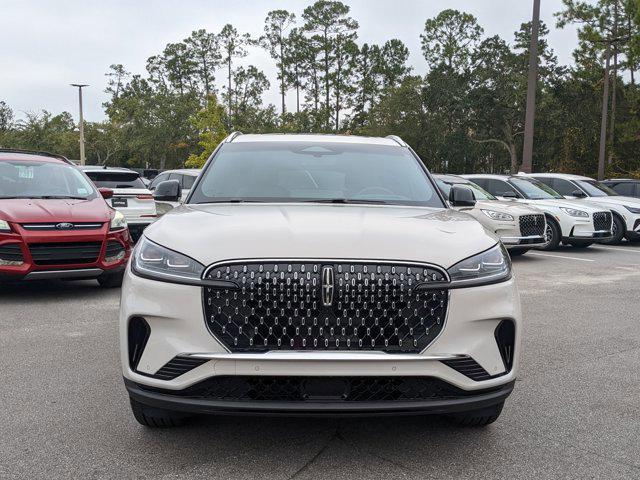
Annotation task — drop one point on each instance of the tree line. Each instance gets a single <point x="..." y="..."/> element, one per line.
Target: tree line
<point x="464" y="113"/>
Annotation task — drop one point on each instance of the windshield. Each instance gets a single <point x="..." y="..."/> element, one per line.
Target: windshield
<point x="533" y="189"/>
<point x="315" y="172"/>
<point x="596" y="189"/>
<point x="29" y="179"/>
<point x="116" y="179"/>
<point x="479" y="192"/>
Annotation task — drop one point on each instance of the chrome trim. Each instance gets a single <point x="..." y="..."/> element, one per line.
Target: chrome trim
<point x="588" y="234"/>
<point x="325" y="260"/>
<point x="519" y="239"/>
<point x="314" y="356"/>
<point x="77" y="273"/>
<point x="398" y="140"/>
<point x="53" y="226"/>
<point x="231" y="137"/>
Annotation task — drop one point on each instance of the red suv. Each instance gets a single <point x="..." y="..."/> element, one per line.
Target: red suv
<point x="54" y="223"/>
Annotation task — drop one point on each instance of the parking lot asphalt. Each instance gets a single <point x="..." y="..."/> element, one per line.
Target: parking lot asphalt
<point x="575" y="412"/>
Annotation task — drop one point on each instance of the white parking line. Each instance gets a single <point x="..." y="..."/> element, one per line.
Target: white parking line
<point x="622" y="249"/>
<point x="560" y="256"/>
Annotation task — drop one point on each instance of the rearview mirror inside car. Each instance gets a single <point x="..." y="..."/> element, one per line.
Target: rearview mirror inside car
<point x="168" y="191"/>
<point x="460" y="196"/>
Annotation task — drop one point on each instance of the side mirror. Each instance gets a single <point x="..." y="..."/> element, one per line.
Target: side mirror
<point x="578" y="194"/>
<point x="460" y="196"/>
<point x="168" y="191"/>
<point x="508" y="194"/>
<point x="106" y="193"/>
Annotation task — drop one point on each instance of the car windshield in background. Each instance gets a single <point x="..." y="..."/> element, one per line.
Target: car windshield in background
<point x="115" y="179"/>
<point x="479" y="192"/>
<point x="315" y="172"/>
<point x="596" y="189"/>
<point x="533" y="189"/>
<point x="27" y="179"/>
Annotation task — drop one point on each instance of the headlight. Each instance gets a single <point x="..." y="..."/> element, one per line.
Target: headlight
<point x="490" y="266"/>
<point x="503" y="217"/>
<point x="574" y="213"/>
<point x="4" y="226"/>
<point x="118" y="222"/>
<point x="631" y="209"/>
<point x="151" y="260"/>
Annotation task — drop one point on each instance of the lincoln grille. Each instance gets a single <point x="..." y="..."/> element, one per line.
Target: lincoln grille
<point x="65" y="253"/>
<point x="531" y="225"/>
<point x="325" y="306"/>
<point x="319" y="389"/>
<point x="602" y="220"/>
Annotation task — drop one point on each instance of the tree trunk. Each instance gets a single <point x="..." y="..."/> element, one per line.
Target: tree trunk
<point x="326" y="79"/>
<point x="229" y="88"/>
<point x="282" y="76"/>
<point x="605" y="111"/>
<point x="612" y="123"/>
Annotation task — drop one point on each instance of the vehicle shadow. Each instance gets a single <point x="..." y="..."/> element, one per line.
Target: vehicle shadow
<point x="53" y="290"/>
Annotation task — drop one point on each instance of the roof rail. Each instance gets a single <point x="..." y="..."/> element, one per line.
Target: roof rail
<point x="398" y="140"/>
<point x="232" y="136"/>
<point x="36" y="152"/>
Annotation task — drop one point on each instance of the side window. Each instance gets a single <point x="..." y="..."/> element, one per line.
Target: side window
<point x="563" y="187"/>
<point x="188" y="182"/>
<point x="500" y="187"/>
<point x="160" y="178"/>
<point x="626" y="188"/>
<point x="546" y="180"/>
<point x="176" y="176"/>
<point x="480" y="181"/>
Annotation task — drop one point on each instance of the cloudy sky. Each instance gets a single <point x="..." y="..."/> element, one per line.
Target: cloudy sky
<point x="45" y="45"/>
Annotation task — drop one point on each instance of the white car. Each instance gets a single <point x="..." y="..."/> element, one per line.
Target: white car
<point x="626" y="210"/>
<point x="568" y="221"/>
<point x="520" y="227"/>
<point x="130" y="195"/>
<point x="320" y="275"/>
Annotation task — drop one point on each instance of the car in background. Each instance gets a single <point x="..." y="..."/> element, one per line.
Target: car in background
<point x="626" y="210"/>
<point x="568" y="221"/>
<point x="185" y="176"/>
<point x="628" y="187"/>
<point x="520" y="227"/>
<point x="54" y="223"/>
<point x="320" y="275"/>
<point x="130" y="195"/>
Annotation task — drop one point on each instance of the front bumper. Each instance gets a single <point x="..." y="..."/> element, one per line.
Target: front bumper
<point x="168" y="400"/>
<point x="177" y="329"/>
<point x="522" y="242"/>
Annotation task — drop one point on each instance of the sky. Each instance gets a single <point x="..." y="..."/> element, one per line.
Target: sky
<point x="46" y="45"/>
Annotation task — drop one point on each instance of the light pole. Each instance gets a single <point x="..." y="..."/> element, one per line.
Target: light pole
<point x="81" y="124"/>
<point x="527" y="150"/>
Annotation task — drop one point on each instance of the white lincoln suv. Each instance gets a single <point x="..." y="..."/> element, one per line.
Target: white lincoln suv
<point x="313" y="274"/>
<point x="568" y="221"/>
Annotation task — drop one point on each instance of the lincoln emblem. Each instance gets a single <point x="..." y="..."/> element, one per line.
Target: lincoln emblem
<point x="327" y="286"/>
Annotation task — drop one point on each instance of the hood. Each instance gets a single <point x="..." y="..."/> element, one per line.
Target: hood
<point x="613" y="201"/>
<point x="212" y="233"/>
<point x="54" y="210"/>
<point x="512" y="208"/>
<point x="556" y="203"/>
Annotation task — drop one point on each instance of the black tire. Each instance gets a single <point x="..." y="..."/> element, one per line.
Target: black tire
<point x="477" y="418"/>
<point x="619" y="229"/>
<point x="518" y="252"/>
<point x="552" y="234"/>
<point x="156" y="417"/>
<point x="111" y="280"/>
<point x="633" y="237"/>
<point x="580" y="243"/>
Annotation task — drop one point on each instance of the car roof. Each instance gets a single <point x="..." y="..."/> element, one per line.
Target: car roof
<point x="98" y="168"/>
<point x="566" y="176"/>
<point x="451" y="178"/>
<point x="487" y="175"/>
<point x="185" y="171"/>
<point x="9" y="154"/>
<point x="322" y="138"/>
<point x="622" y="180"/>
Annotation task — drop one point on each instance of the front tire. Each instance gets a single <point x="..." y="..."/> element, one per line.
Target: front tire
<point x="618" y="229"/>
<point x="552" y="235"/>
<point x="111" y="280"/>
<point x="156" y="417"/>
<point x="477" y="418"/>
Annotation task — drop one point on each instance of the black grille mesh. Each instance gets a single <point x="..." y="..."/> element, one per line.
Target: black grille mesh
<point x="113" y="249"/>
<point x="177" y="366"/>
<point x="65" y="253"/>
<point x="280" y="306"/>
<point x="602" y="220"/>
<point x="532" y="225"/>
<point x="470" y="368"/>
<point x="320" y="389"/>
<point x="11" y="252"/>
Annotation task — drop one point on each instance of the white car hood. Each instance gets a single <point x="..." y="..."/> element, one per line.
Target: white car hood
<point x="512" y="208"/>
<point x="614" y="200"/>
<point x="212" y="233"/>
<point x="556" y="203"/>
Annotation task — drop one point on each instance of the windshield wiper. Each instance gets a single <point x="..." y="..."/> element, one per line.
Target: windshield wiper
<point x="56" y="197"/>
<point x="347" y="201"/>
<point x="230" y="200"/>
<point x="42" y="197"/>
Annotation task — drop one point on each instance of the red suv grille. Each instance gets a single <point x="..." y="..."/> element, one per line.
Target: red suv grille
<point x="65" y="253"/>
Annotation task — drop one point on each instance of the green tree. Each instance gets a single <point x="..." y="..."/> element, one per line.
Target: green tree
<point x="211" y="131"/>
<point x="233" y="46"/>
<point x="203" y="49"/>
